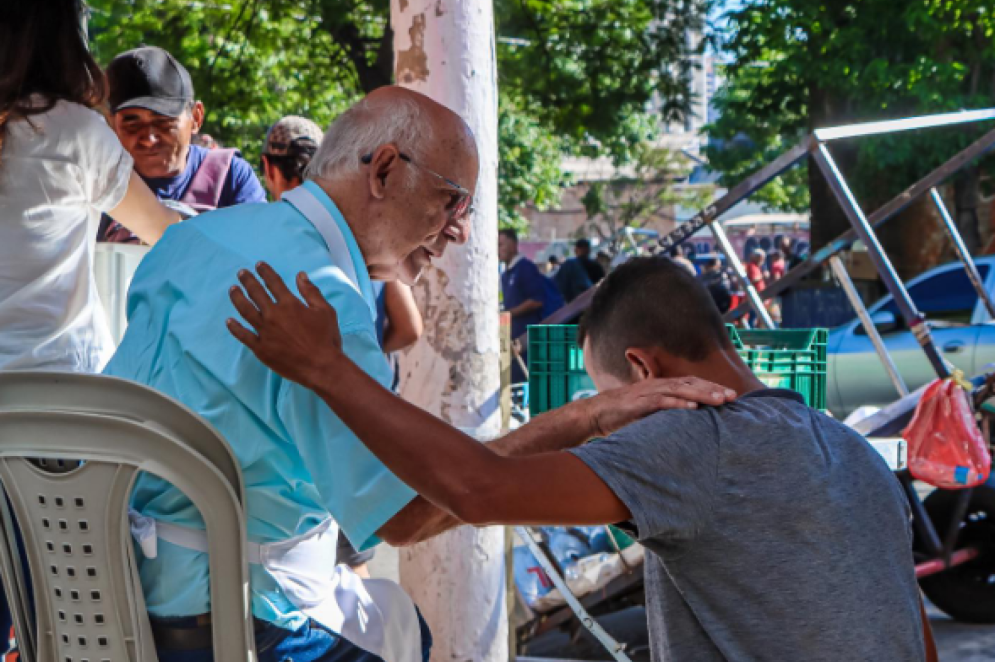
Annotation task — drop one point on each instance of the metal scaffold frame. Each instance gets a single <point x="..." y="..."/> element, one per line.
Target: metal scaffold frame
<point x="815" y="146"/>
<point x="886" y="422"/>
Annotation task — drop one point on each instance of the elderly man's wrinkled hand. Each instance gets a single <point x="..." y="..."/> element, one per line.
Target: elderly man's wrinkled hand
<point x="613" y="410"/>
<point x="299" y="340"/>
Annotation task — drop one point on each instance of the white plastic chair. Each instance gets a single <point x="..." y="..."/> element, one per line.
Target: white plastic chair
<point x="71" y="447"/>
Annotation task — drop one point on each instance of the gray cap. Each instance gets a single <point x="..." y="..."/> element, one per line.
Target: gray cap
<point x="289" y="132"/>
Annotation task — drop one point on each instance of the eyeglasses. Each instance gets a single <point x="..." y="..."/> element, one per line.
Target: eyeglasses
<point x="459" y="207"/>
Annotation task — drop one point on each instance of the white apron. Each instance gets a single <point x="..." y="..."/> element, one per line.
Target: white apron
<point x="374" y="614"/>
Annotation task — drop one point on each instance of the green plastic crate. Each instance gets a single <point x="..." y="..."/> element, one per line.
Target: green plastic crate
<point x="556" y="368"/>
<point x="786" y="358"/>
<point x="783" y="358"/>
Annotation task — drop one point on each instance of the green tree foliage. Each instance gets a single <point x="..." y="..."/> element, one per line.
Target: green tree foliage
<point x="530" y="163"/>
<point x="802" y="64"/>
<point x="592" y="66"/>
<point x="649" y="190"/>
<point x="751" y="132"/>
<point x="576" y="76"/>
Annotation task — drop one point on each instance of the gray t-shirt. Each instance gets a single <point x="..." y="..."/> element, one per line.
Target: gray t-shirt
<point x="775" y="532"/>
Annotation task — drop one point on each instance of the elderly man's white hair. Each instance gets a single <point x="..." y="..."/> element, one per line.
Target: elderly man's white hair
<point x="367" y="125"/>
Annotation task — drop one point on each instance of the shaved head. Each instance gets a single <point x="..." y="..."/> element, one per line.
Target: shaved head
<point x="408" y="166"/>
<point x="392" y="114"/>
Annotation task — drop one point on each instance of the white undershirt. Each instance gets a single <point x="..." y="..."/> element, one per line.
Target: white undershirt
<point x="58" y="172"/>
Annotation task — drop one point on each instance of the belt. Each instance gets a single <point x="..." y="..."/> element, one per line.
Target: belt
<point x="189" y="633"/>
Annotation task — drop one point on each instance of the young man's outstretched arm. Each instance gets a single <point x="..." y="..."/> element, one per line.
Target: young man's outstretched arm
<point x="463" y="477"/>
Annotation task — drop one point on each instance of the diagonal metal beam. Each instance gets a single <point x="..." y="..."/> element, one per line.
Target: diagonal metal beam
<point x="865" y="319"/>
<point x="614" y="648"/>
<point x="752" y="296"/>
<point x="567" y="312"/>
<point x="899" y="294"/>
<point x="962" y="252"/>
<point x="975" y="150"/>
<point x="677" y="236"/>
<point x="738" y="193"/>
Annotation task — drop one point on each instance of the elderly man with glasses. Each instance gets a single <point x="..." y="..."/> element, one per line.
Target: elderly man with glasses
<point x="375" y="206"/>
<point x="388" y="189"/>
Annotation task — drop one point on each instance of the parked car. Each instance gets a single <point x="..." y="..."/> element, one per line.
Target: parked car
<point x="961" y="327"/>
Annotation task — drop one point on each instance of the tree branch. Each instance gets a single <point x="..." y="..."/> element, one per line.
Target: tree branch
<point x="224" y="40"/>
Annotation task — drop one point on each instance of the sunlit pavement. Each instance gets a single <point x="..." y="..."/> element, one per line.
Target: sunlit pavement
<point x="960" y="642"/>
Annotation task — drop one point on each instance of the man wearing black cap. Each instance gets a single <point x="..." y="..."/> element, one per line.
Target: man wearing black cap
<point x="155" y="114"/>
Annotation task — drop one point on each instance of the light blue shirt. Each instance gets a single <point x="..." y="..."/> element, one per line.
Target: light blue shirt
<point x="299" y="462"/>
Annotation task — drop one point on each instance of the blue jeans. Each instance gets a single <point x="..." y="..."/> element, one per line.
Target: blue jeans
<point x="312" y="642"/>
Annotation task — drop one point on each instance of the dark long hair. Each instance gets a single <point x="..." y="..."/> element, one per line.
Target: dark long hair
<point x="43" y="52"/>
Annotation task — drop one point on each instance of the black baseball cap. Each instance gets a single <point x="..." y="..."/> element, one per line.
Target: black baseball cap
<point x="149" y="77"/>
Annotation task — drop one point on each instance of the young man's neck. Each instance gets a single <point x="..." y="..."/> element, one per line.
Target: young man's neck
<point x="723" y="367"/>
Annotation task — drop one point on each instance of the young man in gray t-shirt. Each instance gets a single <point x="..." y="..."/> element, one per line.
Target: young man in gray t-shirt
<point x="773" y="532"/>
<point x="776" y="534"/>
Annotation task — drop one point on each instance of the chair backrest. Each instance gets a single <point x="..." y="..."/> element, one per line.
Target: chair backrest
<point x="71" y="447"/>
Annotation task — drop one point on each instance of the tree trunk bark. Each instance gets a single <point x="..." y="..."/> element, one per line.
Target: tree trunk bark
<point x="827" y="218"/>
<point x="445" y="49"/>
<point x="967" y="199"/>
<point x="915" y="240"/>
<point x="371" y="73"/>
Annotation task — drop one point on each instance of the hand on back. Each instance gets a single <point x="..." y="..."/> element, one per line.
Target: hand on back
<point x="613" y="410"/>
<point x="298" y="339"/>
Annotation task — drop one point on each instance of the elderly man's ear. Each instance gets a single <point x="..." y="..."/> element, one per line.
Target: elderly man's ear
<point x="382" y="162"/>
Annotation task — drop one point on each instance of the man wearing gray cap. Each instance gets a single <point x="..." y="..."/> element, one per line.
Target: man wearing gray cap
<point x="155" y="114"/>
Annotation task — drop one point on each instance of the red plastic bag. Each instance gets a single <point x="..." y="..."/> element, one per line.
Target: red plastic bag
<point x="946" y="448"/>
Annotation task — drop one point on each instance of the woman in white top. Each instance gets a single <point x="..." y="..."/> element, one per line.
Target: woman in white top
<point x="60" y="167"/>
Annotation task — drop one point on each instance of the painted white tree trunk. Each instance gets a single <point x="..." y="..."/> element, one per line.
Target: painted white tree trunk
<point x="445" y="49"/>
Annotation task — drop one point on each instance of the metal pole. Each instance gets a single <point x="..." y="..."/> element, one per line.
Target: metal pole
<point x="962" y="252"/>
<point x="788" y="159"/>
<point x="907" y="124"/>
<point x="613" y="647"/>
<point x="865" y="319"/>
<point x="751" y="292"/>
<point x="519" y="359"/>
<point x="882" y="264"/>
